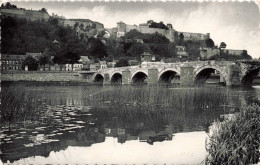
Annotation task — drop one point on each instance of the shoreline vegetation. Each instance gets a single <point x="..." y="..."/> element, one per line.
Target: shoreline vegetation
<point x="236" y="140"/>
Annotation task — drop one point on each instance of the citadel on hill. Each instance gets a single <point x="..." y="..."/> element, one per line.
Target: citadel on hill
<point x="90" y="28"/>
<point x="169" y="32"/>
<point x="86" y="28"/>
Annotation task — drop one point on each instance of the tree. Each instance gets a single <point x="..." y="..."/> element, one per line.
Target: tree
<point x="31" y="63"/>
<point x="209" y="43"/>
<point x="8" y="5"/>
<point x="155" y="38"/>
<point x="246" y="56"/>
<point x="96" y="48"/>
<point x="172" y="49"/>
<point x="136" y="50"/>
<point x="44" y="59"/>
<point x="134" y="34"/>
<point x="223" y="45"/>
<point x="160" y="25"/>
<point x="44" y="10"/>
<point x="123" y="61"/>
<point x="193" y="48"/>
<point x="181" y="37"/>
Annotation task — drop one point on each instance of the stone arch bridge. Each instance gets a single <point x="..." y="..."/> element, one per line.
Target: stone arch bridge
<point x="185" y="73"/>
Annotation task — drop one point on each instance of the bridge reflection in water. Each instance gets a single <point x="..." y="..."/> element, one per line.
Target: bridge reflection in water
<point x="186" y="73"/>
<point x="83" y="116"/>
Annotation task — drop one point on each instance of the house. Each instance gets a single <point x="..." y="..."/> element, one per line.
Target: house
<point x="11" y="61"/>
<point x="34" y="55"/>
<point x="84" y="60"/>
<point x="139" y="40"/>
<point x="111" y="64"/>
<point x="76" y="67"/>
<point x="181" y="51"/>
<point x="133" y="62"/>
<point x="233" y="52"/>
<point x="206" y="53"/>
<point x="94" y="67"/>
<point x="103" y="64"/>
<point x="147" y="57"/>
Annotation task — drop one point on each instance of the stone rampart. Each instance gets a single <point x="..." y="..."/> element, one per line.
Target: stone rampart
<point x="32" y="15"/>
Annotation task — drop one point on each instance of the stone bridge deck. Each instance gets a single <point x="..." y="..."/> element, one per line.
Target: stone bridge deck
<point x="231" y="73"/>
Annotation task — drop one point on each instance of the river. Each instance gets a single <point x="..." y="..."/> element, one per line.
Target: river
<point x="117" y="124"/>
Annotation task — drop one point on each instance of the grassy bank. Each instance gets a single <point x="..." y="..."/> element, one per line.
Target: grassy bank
<point x="237" y="139"/>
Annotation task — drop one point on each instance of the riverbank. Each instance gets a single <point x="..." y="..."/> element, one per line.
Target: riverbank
<point x="237" y="139"/>
<point x="38" y="78"/>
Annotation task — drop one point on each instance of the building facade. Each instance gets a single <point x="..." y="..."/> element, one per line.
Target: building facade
<point x="11" y="62"/>
<point x="181" y="52"/>
<point x="206" y="53"/>
<point x="233" y="52"/>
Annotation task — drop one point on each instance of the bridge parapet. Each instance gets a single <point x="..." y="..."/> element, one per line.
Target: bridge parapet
<point x="231" y="73"/>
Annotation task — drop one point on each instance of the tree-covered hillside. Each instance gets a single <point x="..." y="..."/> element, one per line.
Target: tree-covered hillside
<point x="52" y="39"/>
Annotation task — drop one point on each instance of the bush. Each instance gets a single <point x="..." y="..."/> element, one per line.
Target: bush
<point x="123" y="61"/>
<point x="31" y="63"/>
<point x="236" y="140"/>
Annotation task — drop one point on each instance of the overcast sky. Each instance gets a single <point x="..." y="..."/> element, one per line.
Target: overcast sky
<point x="236" y="23"/>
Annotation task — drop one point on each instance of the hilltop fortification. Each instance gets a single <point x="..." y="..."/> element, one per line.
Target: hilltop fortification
<point x="31" y="15"/>
<point x="170" y="33"/>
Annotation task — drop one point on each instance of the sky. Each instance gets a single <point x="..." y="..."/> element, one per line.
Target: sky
<point x="235" y="23"/>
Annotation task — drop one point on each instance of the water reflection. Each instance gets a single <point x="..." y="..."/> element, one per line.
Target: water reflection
<point x="73" y="120"/>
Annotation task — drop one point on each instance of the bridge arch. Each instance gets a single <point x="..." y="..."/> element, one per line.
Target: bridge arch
<point x="116" y="78"/>
<point x="166" y="76"/>
<point x="98" y="78"/>
<point x="203" y="73"/>
<point x="139" y="77"/>
<point x="247" y="79"/>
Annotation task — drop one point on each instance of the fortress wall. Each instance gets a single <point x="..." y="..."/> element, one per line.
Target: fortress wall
<point x="131" y="27"/>
<point x="193" y="36"/>
<point x="152" y="30"/>
<point x="233" y="52"/>
<point x="170" y="35"/>
<point x="206" y="53"/>
<point x="28" y="14"/>
<point x="13" y="11"/>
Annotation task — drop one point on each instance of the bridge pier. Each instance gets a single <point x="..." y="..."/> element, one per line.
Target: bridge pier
<point x="221" y="79"/>
<point x="186" y="76"/>
<point x="126" y="77"/>
<point x="152" y="76"/>
<point x="233" y="77"/>
<point x="106" y="79"/>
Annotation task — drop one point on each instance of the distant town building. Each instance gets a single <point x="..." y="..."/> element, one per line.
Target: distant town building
<point x="111" y="64"/>
<point x="206" y="53"/>
<point x="103" y="64"/>
<point x="94" y="67"/>
<point x="76" y="67"/>
<point x="233" y="52"/>
<point x="181" y="51"/>
<point x="133" y="62"/>
<point x="147" y="57"/>
<point x="34" y="55"/>
<point x="11" y="62"/>
<point x="139" y="40"/>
